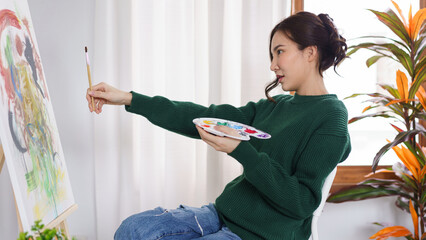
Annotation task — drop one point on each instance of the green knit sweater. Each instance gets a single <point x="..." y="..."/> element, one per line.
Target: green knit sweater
<point x="280" y="187"/>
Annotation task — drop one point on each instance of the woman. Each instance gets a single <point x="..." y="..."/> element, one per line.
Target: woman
<point x="281" y="184"/>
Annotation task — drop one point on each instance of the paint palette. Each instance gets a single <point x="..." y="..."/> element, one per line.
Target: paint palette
<point x="244" y="131"/>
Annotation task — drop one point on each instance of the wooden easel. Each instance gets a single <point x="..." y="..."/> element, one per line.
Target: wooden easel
<point x="59" y="223"/>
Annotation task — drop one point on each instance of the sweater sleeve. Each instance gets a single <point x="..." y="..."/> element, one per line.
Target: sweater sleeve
<point x="298" y="193"/>
<point x="177" y="116"/>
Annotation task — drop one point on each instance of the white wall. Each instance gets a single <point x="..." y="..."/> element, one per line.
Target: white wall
<point x="354" y="220"/>
<point x="63" y="28"/>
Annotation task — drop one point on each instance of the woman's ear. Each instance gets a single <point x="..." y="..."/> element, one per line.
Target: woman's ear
<point x="311" y="53"/>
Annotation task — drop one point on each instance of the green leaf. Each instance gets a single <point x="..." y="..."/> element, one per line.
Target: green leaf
<point x="379" y="224"/>
<point x="379" y="114"/>
<point x="401" y="137"/>
<point x="423" y="198"/>
<point x="395" y="41"/>
<point x="379" y="101"/>
<point x="375" y="182"/>
<point x="352" y="51"/>
<point x="417" y="44"/>
<point x="409" y="183"/>
<point x="410" y="106"/>
<point x="393" y="91"/>
<point x="397" y="109"/>
<point x="402" y="56"/>
<point x="375" y="47"/>
<point x="373" y="60"/>
<point x="359" y="192"/>
<point x="23" y="236"/>
<point x="391" y="20"/>
<point x="375" y="95"/>
<point x="404" y="59"/>
<point x="402" y="203"/>
<point x="420" y="64"/>
<point x="420" y="78"/>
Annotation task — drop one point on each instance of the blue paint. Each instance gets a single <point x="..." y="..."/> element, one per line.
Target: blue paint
<point x="13" y="82"/>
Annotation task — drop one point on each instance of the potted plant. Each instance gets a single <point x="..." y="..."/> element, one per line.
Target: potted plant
<point x="406" y="104"/>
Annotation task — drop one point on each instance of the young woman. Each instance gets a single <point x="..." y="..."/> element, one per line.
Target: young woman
<point x="280" y="187"/>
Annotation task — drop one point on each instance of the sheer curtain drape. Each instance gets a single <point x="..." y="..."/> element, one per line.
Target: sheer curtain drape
<point x="188" y="50"/>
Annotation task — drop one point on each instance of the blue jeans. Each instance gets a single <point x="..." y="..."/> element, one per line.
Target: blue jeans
<point x="181" y="223"/>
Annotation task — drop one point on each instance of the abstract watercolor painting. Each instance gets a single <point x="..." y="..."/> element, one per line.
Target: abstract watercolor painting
<point x="28" y="130"/>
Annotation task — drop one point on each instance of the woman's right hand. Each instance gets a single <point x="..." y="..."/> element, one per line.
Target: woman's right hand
<point x="103" y="93"/>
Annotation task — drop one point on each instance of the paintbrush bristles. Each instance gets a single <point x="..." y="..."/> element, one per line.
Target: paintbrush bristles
<point x="85" y="49"/>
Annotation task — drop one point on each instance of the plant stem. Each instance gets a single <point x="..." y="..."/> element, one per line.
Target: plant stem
<point x="420" y="208"/>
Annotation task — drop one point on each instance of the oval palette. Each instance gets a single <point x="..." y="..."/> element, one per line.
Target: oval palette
<point x="243" y="130"/>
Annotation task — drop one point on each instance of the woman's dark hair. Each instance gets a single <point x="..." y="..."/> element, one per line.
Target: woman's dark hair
<point x="307" y="29"/>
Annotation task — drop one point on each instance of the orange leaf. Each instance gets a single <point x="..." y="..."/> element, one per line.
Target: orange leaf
<point x="417" y="22"/>
<point x="402" y="16"/>
<point x="412" y="161"/>
<point x="402" y="84"/>
<point x="365" y="109"/>
<point x="410" y="22"/>
<point x="411" y="158"/>
<point x="422" y="173"/>
<point x="395" y="231"/>
<point x="379" y="171"/>
<point x="398" y="101"/>
<point x="399" y="152"/>
<point x="421" y="95"/>
<point x="415" y="219"/>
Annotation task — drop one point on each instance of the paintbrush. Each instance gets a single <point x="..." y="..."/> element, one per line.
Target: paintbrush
<point x="88" y="74"/>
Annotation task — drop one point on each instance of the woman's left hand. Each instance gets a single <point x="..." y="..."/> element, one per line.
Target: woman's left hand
<point x="222" y="144"/>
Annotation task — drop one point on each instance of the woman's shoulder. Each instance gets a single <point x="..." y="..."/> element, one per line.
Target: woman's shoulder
<point x="335" y="103"/>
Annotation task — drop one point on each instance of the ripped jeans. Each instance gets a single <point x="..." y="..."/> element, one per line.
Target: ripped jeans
<point x="181" y="223"/>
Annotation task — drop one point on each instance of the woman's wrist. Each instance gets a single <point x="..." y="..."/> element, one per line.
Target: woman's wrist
<point x="128" y="98"/>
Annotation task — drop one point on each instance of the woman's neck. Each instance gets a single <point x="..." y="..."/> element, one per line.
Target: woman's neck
<point x="314" y="85"/>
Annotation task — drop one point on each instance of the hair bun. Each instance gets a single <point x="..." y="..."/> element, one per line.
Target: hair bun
<point x="337" y="43"/>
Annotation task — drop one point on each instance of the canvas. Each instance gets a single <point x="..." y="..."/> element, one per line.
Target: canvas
<point x="28" y="130"/>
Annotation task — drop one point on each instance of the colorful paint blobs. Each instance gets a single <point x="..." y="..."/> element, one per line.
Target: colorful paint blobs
<point x="244" y="131"/>
<point x="31" y="141"/>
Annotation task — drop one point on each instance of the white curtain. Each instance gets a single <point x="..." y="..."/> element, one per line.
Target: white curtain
<point x="187" y="50"/>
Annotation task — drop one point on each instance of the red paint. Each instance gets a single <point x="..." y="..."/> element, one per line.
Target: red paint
<point x="7" y="19"/>
<point x="19" y="46"/>
<point x="250" y="131"/>
<point x="205" y="125"/>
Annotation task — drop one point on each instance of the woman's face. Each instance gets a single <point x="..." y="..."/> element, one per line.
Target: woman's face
<point x="288" y="62"/>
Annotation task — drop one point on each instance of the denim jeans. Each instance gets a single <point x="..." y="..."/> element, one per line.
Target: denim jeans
<point x="181" y="223"/>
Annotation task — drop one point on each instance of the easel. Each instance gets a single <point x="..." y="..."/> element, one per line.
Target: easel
<point x="59" y="223"/>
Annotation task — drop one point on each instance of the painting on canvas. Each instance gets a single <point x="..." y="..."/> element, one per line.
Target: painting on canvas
<point x="28" y="130"/>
